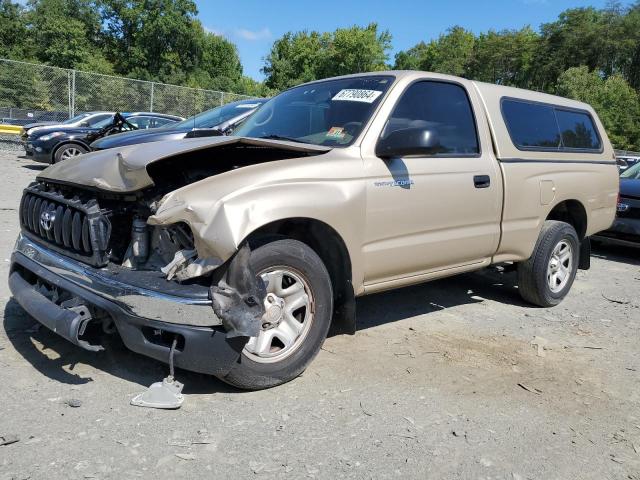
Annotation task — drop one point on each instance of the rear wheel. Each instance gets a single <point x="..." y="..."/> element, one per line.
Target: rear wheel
<point x="68" y="151"/>
<point x="546" y="277"/>
<point x="298" y="307"/>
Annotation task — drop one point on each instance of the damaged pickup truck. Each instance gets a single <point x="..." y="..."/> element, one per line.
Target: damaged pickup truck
<point x="237" y="253"/>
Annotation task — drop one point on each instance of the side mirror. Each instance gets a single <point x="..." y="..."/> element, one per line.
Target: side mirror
<point x="409" y="141"/>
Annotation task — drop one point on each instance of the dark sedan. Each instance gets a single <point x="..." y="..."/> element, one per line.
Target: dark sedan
<point x="86" y="119"/>
<point x="626" y="228"/>
<point x="217" y="121"/>
<point x="60" y="142"/>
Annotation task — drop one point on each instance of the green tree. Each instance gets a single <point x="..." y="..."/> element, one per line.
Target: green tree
<point x="163" y="40"/>
<point x="505" y="57"/>
<point x="616" y="103"/>
<point x="573" y="40"/>
<point x="65" y="34"/>
<point x="14" y="35"/>
<point x="354" y="50"/>
<point x="451" y="53"/>
<point x="304" y="56"/>
<point x="294" y="58"/>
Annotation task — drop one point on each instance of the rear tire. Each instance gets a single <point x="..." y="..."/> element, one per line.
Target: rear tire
<point x="546" y="277"/>
<point x="68" y="151"/>
<point x="298" y="283"/>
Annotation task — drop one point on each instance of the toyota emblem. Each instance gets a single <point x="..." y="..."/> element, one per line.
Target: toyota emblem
<point x="47" y="219"/>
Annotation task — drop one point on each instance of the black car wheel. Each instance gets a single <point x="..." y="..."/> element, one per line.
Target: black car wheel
<point x="68" y="151"/>
<point x="546" y="277"/>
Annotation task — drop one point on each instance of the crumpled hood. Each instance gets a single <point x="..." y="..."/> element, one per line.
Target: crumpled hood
<point x="124" y="169"/>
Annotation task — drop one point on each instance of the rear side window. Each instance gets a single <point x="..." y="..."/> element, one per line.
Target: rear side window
<point x="577" y="130"/>
<point x="531" y="124"/>
<point x="441" y="107"/>
<point x="539" y="126"/>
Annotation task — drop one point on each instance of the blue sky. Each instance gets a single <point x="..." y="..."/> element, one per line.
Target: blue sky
<point x="253" y="25"/>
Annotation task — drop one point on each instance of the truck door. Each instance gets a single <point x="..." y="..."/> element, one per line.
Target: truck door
<point x="439" y="211"/>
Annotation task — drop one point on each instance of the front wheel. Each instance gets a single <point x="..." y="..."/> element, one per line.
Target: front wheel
<point x="298" y="305"/>
<point x="68" y="151"/>
<point x="546" y="277"/>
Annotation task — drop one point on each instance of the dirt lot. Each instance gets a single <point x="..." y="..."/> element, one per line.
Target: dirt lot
<point x="440" y="381"/>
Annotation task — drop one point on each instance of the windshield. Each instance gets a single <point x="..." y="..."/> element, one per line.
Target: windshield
<point x="633" y="172"/>
<point x="331" y="113"/>
<point x="214" y="117"/>
<point x="75" y="119"/>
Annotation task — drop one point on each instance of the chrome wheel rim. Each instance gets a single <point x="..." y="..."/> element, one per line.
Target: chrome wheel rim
<point x="69" y="153"/>
<point x="560" y="266"/>
<point x="289" y="308"/>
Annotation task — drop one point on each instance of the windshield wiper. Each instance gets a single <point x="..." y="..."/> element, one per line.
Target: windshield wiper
<point x="280" y="137"/>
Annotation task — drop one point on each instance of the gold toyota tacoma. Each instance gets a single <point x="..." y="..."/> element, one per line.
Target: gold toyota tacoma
<point x="237" y="253"/>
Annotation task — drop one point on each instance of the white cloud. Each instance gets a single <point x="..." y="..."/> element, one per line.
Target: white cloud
<point x="242" y="33"/>
<point x="253" y="35"/>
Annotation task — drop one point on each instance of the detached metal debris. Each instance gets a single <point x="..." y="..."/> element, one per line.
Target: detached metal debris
<point x="183" y="266"/>
<point x="238" y="299"/>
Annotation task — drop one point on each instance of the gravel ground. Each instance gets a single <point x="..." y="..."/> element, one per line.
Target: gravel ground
<point x="441" y="381"/>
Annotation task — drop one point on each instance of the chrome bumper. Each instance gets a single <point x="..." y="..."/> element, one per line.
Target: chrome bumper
<point x="135" y="300"/>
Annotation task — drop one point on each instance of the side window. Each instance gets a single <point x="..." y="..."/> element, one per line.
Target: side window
<point x="441" y="107"/>
<point x="160" y="121"/>
<point x="141" y="122"/>
<point x="540" y="126"/>
<point x="577" y="130"/>
<point x="99" y="118"/>
<point x="531" y="124"/>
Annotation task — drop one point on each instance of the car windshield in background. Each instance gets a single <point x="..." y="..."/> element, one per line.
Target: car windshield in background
<point x="75" y="119"/>
<point x="632" y="173"/>
<point x="216" y="116"/>
<point x="331" y="113"/>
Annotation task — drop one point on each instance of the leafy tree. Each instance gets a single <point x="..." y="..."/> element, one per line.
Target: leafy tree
<point x="573" y="40"/>
<point x="64" y="33"/>
<point x="414" y="58"/>
<point x="451" y="53"/>
<point x="354" y="50"/>
<point x="505" y="57"/>
<point x="13" y="31"/>
<point x="616" y="103"/>
<point x="304" y="56"/>
<point x="294" y="58"/>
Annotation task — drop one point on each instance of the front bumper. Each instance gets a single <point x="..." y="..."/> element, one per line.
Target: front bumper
<point x="39" y="151"/>
<point x="142" y="317"/>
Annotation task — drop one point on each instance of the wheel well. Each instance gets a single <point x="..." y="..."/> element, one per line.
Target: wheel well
<point x="573" y="213"/>
<point x="331" y="249"/>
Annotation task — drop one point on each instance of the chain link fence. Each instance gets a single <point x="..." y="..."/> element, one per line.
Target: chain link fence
<point x="30" y="92"/>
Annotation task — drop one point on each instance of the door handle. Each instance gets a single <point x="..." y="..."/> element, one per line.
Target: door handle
<point x="482" y="181"/>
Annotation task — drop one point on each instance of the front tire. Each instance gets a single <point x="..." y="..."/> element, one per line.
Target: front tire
<point x="299" y="307"/>
<point x="68" y="151"/>
<point x="547" y="276"/>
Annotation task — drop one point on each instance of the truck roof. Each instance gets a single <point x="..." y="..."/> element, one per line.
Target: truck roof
<point x="485" y="89"/>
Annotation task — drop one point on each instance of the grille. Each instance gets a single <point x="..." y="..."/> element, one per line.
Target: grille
<point x="76" y="228"/>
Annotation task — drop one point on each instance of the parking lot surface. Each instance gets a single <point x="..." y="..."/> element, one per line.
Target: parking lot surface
<point x="456" y="378"/>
